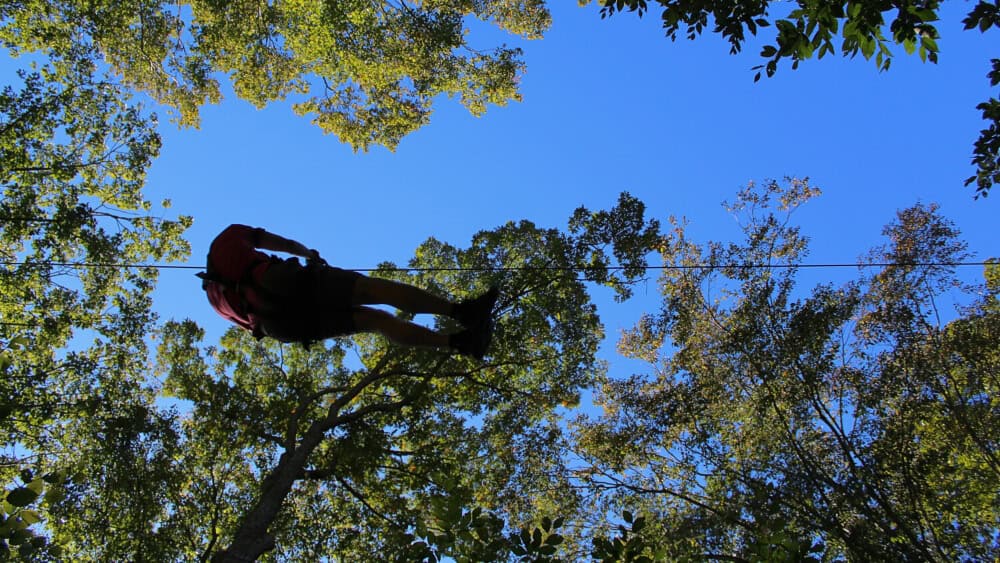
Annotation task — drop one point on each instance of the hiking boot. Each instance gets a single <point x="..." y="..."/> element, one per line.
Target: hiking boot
<point x="478" y="311"/>
<point x="472" y="341"/>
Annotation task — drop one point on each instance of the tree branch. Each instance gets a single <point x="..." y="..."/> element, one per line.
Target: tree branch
<point x="252" y="538"/>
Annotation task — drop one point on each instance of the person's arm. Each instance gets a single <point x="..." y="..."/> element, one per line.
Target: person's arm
<point x="277" y="243"/>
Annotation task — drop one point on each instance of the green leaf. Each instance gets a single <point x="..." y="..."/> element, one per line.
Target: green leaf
<point x="53" y="495"/>
<point x="38" y="485"/>
<point x="867" y="47"/>
<point x="22" y="496"/>
<point x="27" y="549"/>
<point x="19" y="537"/>
<point x="804" y="50"/>
<point x="30" y="516"/>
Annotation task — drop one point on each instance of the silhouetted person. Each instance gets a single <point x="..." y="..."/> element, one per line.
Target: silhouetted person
<point x="289" y="302"/>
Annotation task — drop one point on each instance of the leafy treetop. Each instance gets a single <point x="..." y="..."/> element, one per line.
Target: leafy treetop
<point x="369" y="70"/>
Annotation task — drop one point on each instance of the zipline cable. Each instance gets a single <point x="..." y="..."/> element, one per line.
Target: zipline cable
<point x="749" y="266"/>
<point x="529" y="268"/>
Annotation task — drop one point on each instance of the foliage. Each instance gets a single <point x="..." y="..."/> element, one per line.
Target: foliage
<point x="16" y="519"/>
<point x="986" y="155"/>
<point x="367" y="71"/>
<point x="844" y="422"/>
<point x="628" y="545"/>
<point x="19" y="509"/>
<point x="478" y="535"/>
<point x="300" y="455"/>
<point x="808" y="28"/>
<point x="73" y="155"/>
<point x="851" y="423"/>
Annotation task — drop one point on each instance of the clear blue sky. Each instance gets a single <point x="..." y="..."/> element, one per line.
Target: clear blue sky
<point x="609" y="105"/>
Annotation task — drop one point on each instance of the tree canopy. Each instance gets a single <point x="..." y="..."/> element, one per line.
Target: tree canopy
<point x="73" y="158"/>
<point x="807" y="28"/>
<point x="774" y="422"/>
<point x="369" y="71"/>
<point x="768" y="421"/>
<point x="780" y="424"/>
<point x="365" y="71"/>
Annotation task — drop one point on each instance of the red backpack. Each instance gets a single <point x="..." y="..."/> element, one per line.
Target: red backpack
<point x="228" y="298"/>
<point x="223" y="293"/>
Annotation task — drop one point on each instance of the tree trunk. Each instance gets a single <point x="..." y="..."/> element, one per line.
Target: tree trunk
<point x="252" y="538"/>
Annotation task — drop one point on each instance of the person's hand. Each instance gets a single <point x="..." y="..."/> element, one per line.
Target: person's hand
<point x="313" y="257"/>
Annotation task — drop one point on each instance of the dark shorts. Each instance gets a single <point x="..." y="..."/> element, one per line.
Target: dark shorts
<point x="316" y="303"/>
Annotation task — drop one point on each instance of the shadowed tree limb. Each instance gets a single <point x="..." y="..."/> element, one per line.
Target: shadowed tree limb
<point x="252" y="539"/>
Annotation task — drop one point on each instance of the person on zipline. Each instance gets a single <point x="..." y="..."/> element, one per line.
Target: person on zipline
<point x="289" y="302"/>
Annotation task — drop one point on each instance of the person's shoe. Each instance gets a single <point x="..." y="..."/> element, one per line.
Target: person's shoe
<point x="477" y="311"/>
<point x="473" y="341"/>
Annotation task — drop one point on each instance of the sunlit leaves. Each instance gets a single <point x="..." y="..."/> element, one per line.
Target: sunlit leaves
<point x="20" y="513"/>
<point x="73" y="157"/>
<point x="366" y="456"/>
<point x="628" y="544"/>
<point x="780" y="423"/>
<point x="367" y="71"/>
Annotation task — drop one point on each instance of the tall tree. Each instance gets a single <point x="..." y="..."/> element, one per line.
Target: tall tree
<point x="366" y="70"/>
<point x="360" y="447"/>
<point x="73" y="156"/>
<point x="807" y="28"/>
<point x="851" y="421"/>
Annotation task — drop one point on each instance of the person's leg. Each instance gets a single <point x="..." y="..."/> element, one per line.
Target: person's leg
<point x="412" y="299"/>
<point x="366" y="319"/>
<point x="378" y="291"/>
